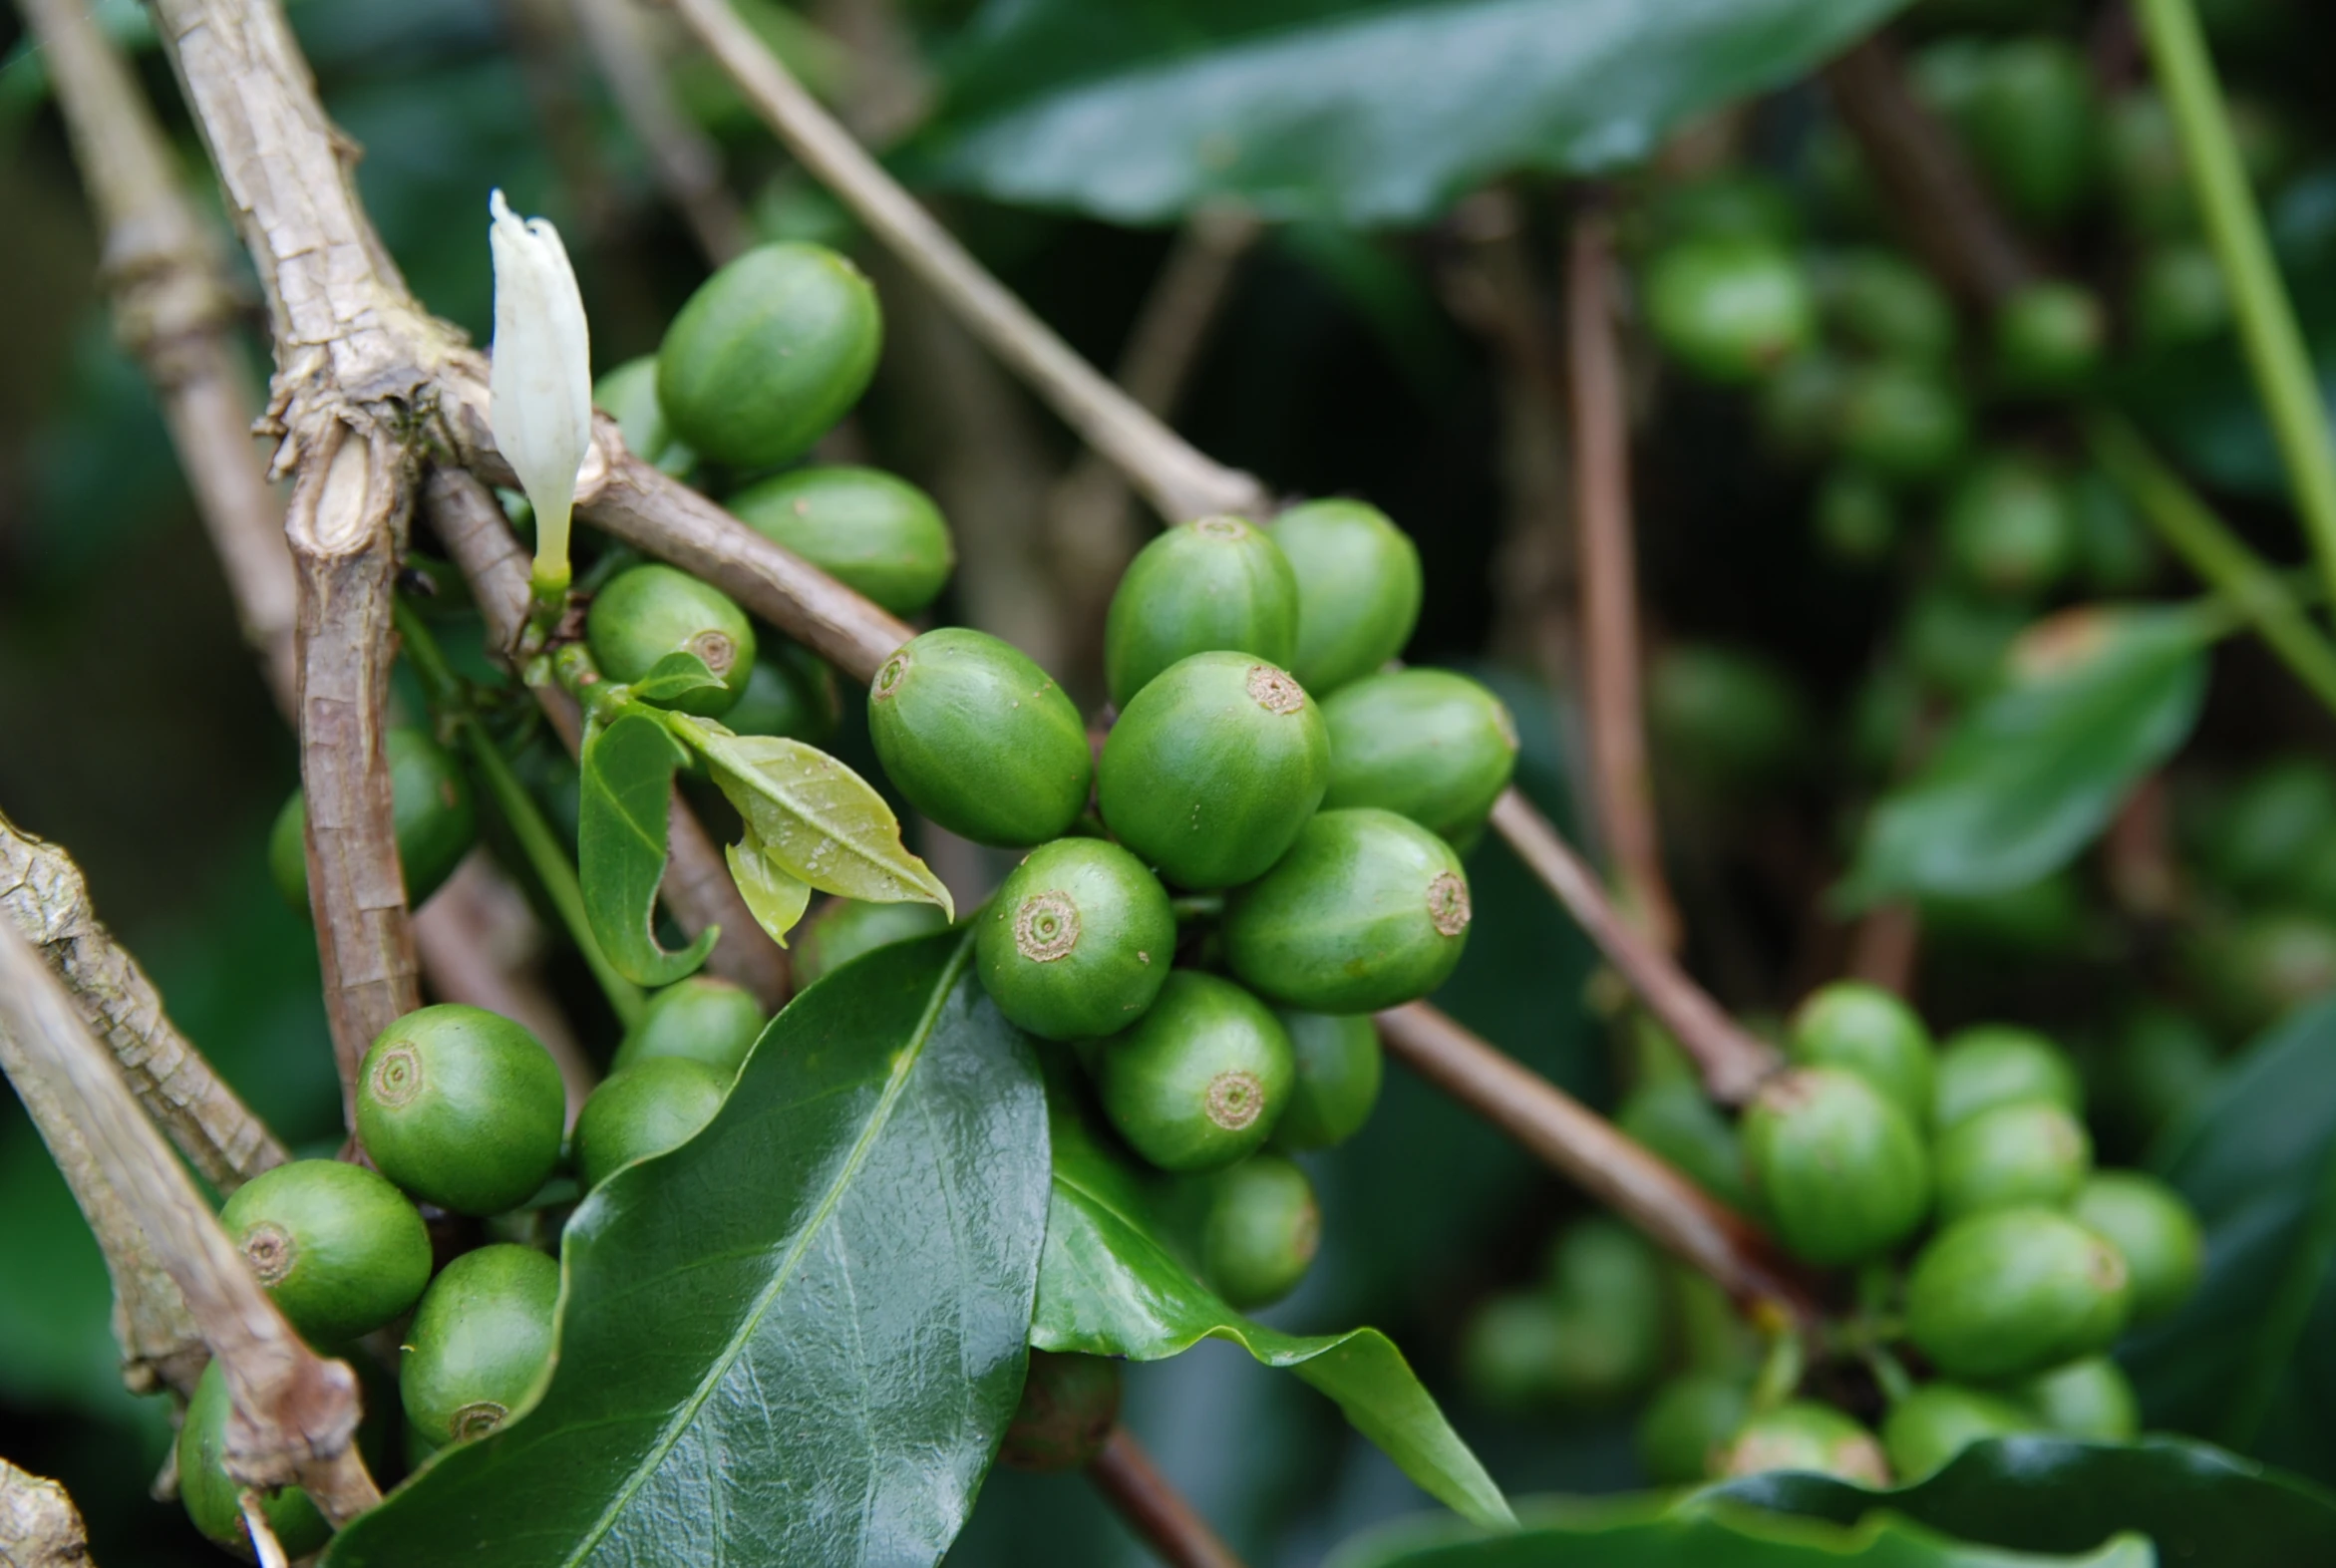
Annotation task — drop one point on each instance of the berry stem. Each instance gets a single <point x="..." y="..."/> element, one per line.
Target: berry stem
<point x="1155" y="1510"/>
<point x="1781" y="1370"/>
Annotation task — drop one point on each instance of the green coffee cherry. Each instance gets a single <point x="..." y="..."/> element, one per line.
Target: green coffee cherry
<point x="1867" y="1030"/>
<point x="789" y="692"/>
<point x="878" y="535"/>
<point x="338" y="1249"/>
<point x="1339" y="1064"/>
<point x="1214" y="767"/>
<point x="1956" y="642"/>
<point x="1939" y="1420"/>
<point x="1799" y="405"/>
<point x="2155" y="1232"/>
<point x="1728" y="203"/>
<point x="1216" y="584"/>
<point x="1367" y="911"/>
<point x="1070" y="1404"/>
<point x="706" y="1020"/>
<point x="629" y="394"/>
<point x="2266" y="964"/>
<point x="1723" y="717"/>
<point x="1855" y="519"/>
<point x="479" y="1342"/>
<point x="1687" y="1427"/>
<point x="1261" y="1233"/>
<point x="2091" y="1399"/>
<point x="1201" y="1079"/>
<point x="1889" y="305"/>
<point x="1902" y="422"/>
<point x="647" y="1110"/>
<point x="213" y="1497"/>
<point x="646" y="612"/>
<point x="1078" y="941"/>
<point x="1837" y="1168"/>
<point x="2001" y="1065"/>
<point x="2030" y="122"/>
<point x="1603" y="1265"/>
<point x="2049" y="338"/>
<point x="1802" y="1434"/>
<point x="1729" y="310"/>
<point x="2178" y="297"/>
<point x="2116" y="555"/>
<point x="2026" y="1152"/>
<point x="768" y="354"/>
<point x="430" y="810"/>
<point x="2010" y="1292"/>
<point x="1428" y="745"/>
<point x="845" y="928"/>
<point x="1510" y="1350"/>
<point x="979" y="739"/>
<point x="1678" y="1121"/>
<point x="1359" y="590"/>
<point x="2263" y="832"/>
<point x="460" y="1107"/>
<point x="2009" y="528"/>
<point x="2161" y="1064"/>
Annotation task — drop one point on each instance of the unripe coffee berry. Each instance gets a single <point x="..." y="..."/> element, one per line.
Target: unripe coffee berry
<point x="479" y="1342"/>
<point x="1359" y="590"/>
<point x="1078" y="940"/>
<point x="878" y="535"/>
<point x="1729" y="310"/>
<point x="629" y="394"/>
<point x="1262" y="1230"/>
<point x="1368" y="910"/>
<point x="431" y="812"/>
<point x="979" y="739"/>
<point x="2011" y="1292"/>
<point x="462" y="1108"/>
<point x="705" y="1018"/>
<point x="647" y="1110"/>
<point x="1856" y="517"/>
<point x="1219" y="583"/>
<point x="1200" y="1080"/>
<point x="2009" y="528"/>
<point x="1802" y="1434"/>
<point x="2089" y="1398"/>
<point x="1684" y="1433"/>
<point x="1939" y="1420"/>
<point x="1872" y="1034"/>
<point x="1510" y="1349"/>
<point x="1339" y="1064"/>
<point x="646" y="612"/>
<point x="1901" y="422"/>
<point x="1070" y="1404"/>
<point x="847" y="928"/>
<point x="1428" y="745"/>
<point x="1677" y="1121"/>
<point x="1887" y="304"/>
<point x="1838" y="1169"/>
<point x="2006" y="1155"/>
<point x="1212" y="769"/>
<point x="2155" y="1232"/>
<point x="2049" y="337"/>
<point x="768" y="354"/>
<point x="2000" y="1065"/>
<point x="337" y="1248"/>
<point x="213" y="1498"/>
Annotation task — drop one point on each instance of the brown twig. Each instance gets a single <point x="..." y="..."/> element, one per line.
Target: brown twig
<point x="1886" y="946"/>
<point x="39" y="1526"/>
<point x="295" y="1415"/>
<point x="2144" y="875"/>
<point x="1573" y="1139"/>
<point x="687" y="164"/>
<point x="1152" y="1508"/>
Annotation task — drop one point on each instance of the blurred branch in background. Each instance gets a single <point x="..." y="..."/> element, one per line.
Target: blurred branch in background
<point x="39" y="1526"/>
<point x="1132" y="1485"/>
<point x="688" y="166"/>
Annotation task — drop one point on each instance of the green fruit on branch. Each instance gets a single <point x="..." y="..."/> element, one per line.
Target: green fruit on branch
<point x="479" y="1342"/>
<point x="1726" y="204"/>
<point x="2049" y="338"/>
<point x="1837" y="1166"/>
<point x="980" y="739"/>
<point x="2155" y="1232"/>
<point x="2009" y="528"/>
<point x="1992" y="1065"/>
<point x="2266" y="964"/>
<point x="705" y="1018"/>
<point x="1201" y="1079"/>
<point x="629" y="394"/>
<point x="1729" y="310"/>
<point x="2030" y="116"/>
<point x="1872" y="1034"/>
<point x="1214" y="767"/>
<point x="845" y="928"/>
<point x="1856" y="517"/>
<point x="643" y="1112"/>
<point x="1261" y="1233"/>
<point x="1939" y="1420"/>
<point x="647" y="612"/>
<point x="1510" y="1350"/>
<point x="2263" y="832"/>
<point x="877" y="534"/>
<point x="1901" y="423"/>
<point x="2011" y="1292"/>
<point x="1802" y="1434"/>
<point x="1678" y="1121"/>
<point x="462" y="1108"/>
<point x="1956" y="641"/>
<point x="1368" y="910"/>
<point x="1684" y="1433"/>
<point x="213" y="1497"/>
<point x="768" y="354"/>
<point x="2089" y="1398"/>
<point x="1219" y="583"/>
<point x="1339" y="1064"/>
<point x="1885" y="304"/>
<point x="1078" y="941"/>
<point x="1428" y="745"/>
<point x="2178" y="297"/>
<point x="1799" y="405"/>
<point x="431" y="812"/>
<point x="1359" y="589"/>
<point x="1724" y="718"/>
<point x="1605" y="1267"/>
<point x="1070" y="1404"/>
<point x="789" y="692"/>
<point x="2029" y="1152"/>
<point x="337" y="1248"/>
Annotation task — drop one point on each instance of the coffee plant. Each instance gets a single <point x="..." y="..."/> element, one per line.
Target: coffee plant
<point x="842" y="958"/>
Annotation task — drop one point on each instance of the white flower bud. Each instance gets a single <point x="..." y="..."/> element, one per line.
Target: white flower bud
<point x="541" y="378"/>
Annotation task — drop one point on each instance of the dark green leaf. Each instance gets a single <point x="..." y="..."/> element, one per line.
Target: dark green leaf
<point x="1109" y="1286"/>
<point x="627" y="794"/>
<point x="674" y="676"/>
<point x="1359" y="111"/>
<point x="796" y="1338"/>
<point x="2033" y="774"/>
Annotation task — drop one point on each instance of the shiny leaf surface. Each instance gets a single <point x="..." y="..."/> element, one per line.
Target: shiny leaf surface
<point x="626" y="798"/>
<point x="674" y="676"/>
<point x="777" y="900"/>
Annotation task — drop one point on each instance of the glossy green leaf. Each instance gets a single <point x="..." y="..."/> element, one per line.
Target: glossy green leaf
<point x="1360" y="111"/>
<point x="1109" y="1286"/>
<point x="777" y="900"/>
<point x="672" y="677"/>
<point x="2035" y="772"/>
<point x="798" y="1338"/>
<point x="626" y="799"/>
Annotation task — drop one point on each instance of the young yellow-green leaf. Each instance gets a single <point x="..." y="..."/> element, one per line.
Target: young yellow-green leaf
<point x="675" y="676"/>
<point x="812" y="817"/>
<point x="626" y="796"/>
<point x="777" y="898"/>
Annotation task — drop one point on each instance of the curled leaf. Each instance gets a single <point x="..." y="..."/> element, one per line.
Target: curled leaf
<point x="626" y="799"/>
<point x="777" y="900"/>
